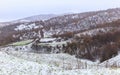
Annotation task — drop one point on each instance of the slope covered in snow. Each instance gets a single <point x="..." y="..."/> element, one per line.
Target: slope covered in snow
<point x="82" y="21"/>
<point x="21" y="63"/>
<point x="96" y="31"/>
<point x="26" y="27"/>
<point x="113" y="62"/>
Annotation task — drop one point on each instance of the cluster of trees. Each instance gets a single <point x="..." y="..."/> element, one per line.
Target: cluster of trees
<point x="66" y="35"/>
<point x="9" y="35"/>
<point x="6" y="39"/>
<point x="102" y="46"/>
<point x="15" y="36"/>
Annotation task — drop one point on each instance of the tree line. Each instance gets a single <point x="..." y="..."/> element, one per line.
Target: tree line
<point x="101" y="46"/>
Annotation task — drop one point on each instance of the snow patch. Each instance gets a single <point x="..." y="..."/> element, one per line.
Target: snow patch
<point x="26" y="27"/>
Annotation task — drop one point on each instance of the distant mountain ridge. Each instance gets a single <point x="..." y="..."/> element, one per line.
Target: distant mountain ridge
<point x="39" y="17"/>
<point x="29" y="19"/>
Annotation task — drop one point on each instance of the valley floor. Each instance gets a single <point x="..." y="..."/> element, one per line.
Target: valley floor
<point x="26" y="63"/>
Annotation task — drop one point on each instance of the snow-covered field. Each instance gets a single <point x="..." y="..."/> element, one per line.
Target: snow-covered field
<point x="26" y="63"/>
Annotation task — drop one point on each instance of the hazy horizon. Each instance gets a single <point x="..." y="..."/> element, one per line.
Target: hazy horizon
<point x="16" y="9"/>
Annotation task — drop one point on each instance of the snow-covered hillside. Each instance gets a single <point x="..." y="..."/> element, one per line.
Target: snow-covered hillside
<point x="26" y="27"/>
<point x="82" y="21"/>
<point x="24" y="63"/>
<point x="95" y="31"/>
<point x="113" y="62"/>
<point x="31" y="44"/>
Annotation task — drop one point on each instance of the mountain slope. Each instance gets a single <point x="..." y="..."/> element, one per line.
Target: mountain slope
<point x="74" y="23"/>
<point x="40" y="17"/>
<point x="29" y="19"/>
<point x="48" y="64"/>
<point x="83" y="21"/>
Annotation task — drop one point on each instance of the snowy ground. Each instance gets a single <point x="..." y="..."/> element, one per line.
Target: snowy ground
<point x="25" y="63"/>
<point x="113" y="62"/>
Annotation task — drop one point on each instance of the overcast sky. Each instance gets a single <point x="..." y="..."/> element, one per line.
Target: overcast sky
<point x="16" y="9"/>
